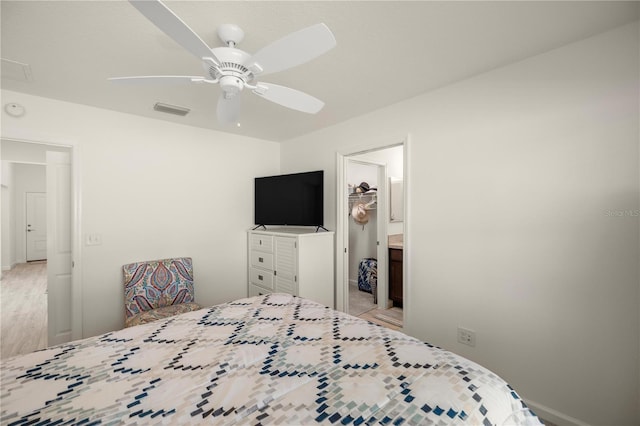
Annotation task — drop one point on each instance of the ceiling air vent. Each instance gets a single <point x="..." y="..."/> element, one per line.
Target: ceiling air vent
<point x="16" y="70"/>
<point x="171" y="109"/>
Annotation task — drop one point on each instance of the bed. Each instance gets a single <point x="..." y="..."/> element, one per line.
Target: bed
<point x="272" y="359"/>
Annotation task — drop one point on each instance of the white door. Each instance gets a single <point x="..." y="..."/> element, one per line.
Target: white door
<point x="36" y="212"/>
<point x="59" y="250"/>
<point x="383" y="242"/>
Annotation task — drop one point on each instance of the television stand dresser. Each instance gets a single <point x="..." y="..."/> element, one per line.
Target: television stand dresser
<point x="297" y="261"/>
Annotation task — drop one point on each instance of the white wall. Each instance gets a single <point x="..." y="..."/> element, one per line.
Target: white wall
<point x="152" y="189"/>
<point x="511" y="175"/>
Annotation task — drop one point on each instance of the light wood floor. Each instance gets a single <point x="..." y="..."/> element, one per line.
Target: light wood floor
<point x="23" y="300"/>
<point x="361" y="305"/>
<point x="370" y="316"/>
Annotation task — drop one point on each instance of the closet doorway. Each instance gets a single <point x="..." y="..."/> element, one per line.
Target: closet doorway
<point x="367" y="189"/>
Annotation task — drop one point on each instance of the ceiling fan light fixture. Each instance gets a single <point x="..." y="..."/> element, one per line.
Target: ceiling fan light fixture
<point x="171" y="109"/>
<point x="231" y="85"/>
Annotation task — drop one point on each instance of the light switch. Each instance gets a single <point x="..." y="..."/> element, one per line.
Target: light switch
<point x="93" y="239"/>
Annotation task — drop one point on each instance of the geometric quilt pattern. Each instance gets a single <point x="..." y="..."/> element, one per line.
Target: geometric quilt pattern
<point x="267" y="360"/>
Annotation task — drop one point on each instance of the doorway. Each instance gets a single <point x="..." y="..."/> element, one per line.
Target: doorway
<point x="387" y="233"/>
<point x="25" y="218"/>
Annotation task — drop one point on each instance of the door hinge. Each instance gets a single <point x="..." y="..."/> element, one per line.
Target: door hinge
<point x="295" y="278"/>
<point x="345" y="249"/>
<point x="275" y="273"/>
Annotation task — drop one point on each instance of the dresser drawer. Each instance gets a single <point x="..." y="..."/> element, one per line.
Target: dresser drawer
<point x="261" y="278"/>
<point x="262" y="260"/>
<point x="262" y="242"/>
<point x="254" y="290"/>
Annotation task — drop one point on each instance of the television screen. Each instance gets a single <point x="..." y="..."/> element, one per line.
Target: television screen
<point x="292" y="199"/>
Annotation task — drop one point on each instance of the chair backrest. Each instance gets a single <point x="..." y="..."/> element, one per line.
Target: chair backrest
<point x="157" y="283"/>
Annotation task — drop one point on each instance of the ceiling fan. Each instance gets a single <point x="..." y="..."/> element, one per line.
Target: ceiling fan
<point x="234" y="69"/>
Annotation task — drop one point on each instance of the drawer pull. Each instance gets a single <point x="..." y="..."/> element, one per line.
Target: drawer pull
<point x="260" y="277"/>
<point x="261" y="260"/>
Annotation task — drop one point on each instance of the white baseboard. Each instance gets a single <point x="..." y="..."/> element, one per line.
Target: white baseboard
<point x="8" y="268"/>
<point x="554" y="416"/>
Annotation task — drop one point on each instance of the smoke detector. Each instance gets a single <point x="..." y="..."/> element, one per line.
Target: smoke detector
<point x="14" y="109"/>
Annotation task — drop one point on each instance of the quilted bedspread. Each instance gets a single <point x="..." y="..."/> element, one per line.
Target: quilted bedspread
<point x="274" y="359"/>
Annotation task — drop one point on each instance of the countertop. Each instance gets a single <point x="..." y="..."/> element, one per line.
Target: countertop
<point x="396" y="241"/>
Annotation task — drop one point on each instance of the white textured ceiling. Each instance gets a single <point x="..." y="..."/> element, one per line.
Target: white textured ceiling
<point x="387" y="51"/>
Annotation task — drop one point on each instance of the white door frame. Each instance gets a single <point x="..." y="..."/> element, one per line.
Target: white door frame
<point x="342" y="254"/>
<point x="76" y="239"/>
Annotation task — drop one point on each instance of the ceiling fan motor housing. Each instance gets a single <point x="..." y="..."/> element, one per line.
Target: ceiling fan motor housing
<point x="231" y="73"/>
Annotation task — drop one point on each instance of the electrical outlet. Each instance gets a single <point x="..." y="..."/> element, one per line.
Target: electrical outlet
<point x="466" y="336"/>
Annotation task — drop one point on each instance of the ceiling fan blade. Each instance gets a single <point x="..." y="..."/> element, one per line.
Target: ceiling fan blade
<point x="289" y="97"/>
<point x="294" y="49"/>
<point x="228" y="109"/>
<point x="162" y="17"/>
<point x="157" y="79"/>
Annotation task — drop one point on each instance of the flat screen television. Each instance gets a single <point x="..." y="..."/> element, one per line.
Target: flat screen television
<point x="293" y="199"/>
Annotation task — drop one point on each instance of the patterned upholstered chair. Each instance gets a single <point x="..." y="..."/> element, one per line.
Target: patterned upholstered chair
<point x="158" y="289"/>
